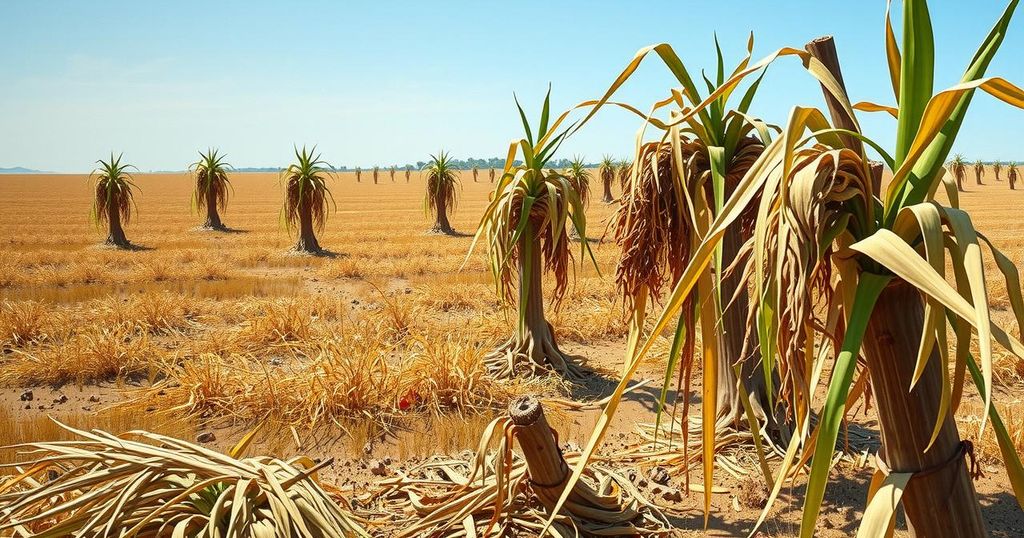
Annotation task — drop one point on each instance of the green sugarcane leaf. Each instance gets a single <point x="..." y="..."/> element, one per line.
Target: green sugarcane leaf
<point x="869" y="287"/>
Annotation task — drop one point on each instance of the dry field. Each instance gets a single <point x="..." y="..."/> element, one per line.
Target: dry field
<point x="371" y="354"/>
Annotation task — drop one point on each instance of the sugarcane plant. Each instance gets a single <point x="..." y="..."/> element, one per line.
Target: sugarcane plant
<point x="607" y="170"/>
<point x="959" y="169"/>
<point x="704" y="160"/>
<point x="212" y="187"/>
<point x="843" y="268"/>
<point x="997" y="168"/>
<point x="307" y="200"/>
<point x="114" y="200"/>
<point x="524" y="228"/>
<point x="622" y="171"/>
<point x="442" y="191"/>
<point x="1011" y="175"/>
<point x="979" y="171"/>
<point x="579" y="177"/>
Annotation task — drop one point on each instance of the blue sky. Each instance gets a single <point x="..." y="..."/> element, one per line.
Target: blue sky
<point x="390" y="81"/>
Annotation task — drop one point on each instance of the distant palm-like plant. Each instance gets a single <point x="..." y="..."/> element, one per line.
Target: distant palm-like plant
<point x="212" y="186"/>
<point x="998" y="169"/>
<point x="1011" y="174"/>
<point x="476" y="173"/>
<point x="491" y="172"/>
<point x="307" y="198"/>
<point x="391" y="172"/>
<point x="359" y="175"/>
<point x="115" y="198"/>
<point x="523" y="226"/>
<point x="579" y="177"/>
<point x="442" y="191"/>
<point x="607" y="171"/>
<point x="959" y="169"/>
<point x="376" y="174"/>
<point x="408" y="173"/>
<point x="624" y="170"/>
<point x="979" y="171"/>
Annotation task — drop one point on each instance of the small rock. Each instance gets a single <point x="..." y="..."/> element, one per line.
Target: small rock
<point x="206" y="437"/>
<point x="408" y="291"/>
<point x="658" y="475"/>
<point x="276" y="361"/>
<point x="27" y="396"/>
<point x="673" y="495"/>
<point x="377" y="468"/>
<point x="572" y="447"/>
<point x="28" y="406"/>
<point x="52" y="475"/>
<point x="62" y="399"/>
<point x="94" y="398"/>
<point x="150" y="409"/>
<point x="387" y="461"/>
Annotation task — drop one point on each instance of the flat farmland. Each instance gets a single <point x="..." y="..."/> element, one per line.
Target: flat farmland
<point x="368" y="354"/>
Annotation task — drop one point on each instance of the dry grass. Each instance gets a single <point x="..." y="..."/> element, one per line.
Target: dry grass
<point x="234" y="327"/>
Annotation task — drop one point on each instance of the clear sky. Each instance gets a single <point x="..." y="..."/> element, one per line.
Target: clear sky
<point x="388" y="82"/>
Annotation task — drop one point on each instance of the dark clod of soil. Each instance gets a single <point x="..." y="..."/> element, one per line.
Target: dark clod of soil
<point x="27" y="396"/>
<point x="658" y="475"/>
<point x="753" y="494"/>
<point x="206" y="437"/>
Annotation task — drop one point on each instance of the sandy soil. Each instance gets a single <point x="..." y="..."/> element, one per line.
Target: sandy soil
<point x="360" y="461"/>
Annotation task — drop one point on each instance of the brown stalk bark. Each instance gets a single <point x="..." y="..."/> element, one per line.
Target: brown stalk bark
<point x="824" y="49"/>
<point x="116" y="235"/>
<point x="536" y="326"/>
<point x="212" y="216"/>
<point x="544" y="462"/>
<point x="607" y="196"/>
<point x="731" y="336"/>
<point x="940" y="502"/>
<point x="533" y="347"/>
<point x="441" y="224"/>
<point x="307" y="238"/>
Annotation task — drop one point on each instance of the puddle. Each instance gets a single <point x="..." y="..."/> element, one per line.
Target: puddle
<point x="246" y="286"/>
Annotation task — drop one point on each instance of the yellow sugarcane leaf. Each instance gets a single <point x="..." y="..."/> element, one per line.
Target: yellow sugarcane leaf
<point x="934" y="118"/>
<point x="890" y="250"/>
<point x="866" y="106"/>
<point x="880" y="515"/>
<point x="892" y="53"/>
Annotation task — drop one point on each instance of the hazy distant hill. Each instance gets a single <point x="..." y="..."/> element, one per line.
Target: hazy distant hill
<point x="20" y="170"/>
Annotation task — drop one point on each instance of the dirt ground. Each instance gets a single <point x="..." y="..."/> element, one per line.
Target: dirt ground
<point x="218" y="288"/>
